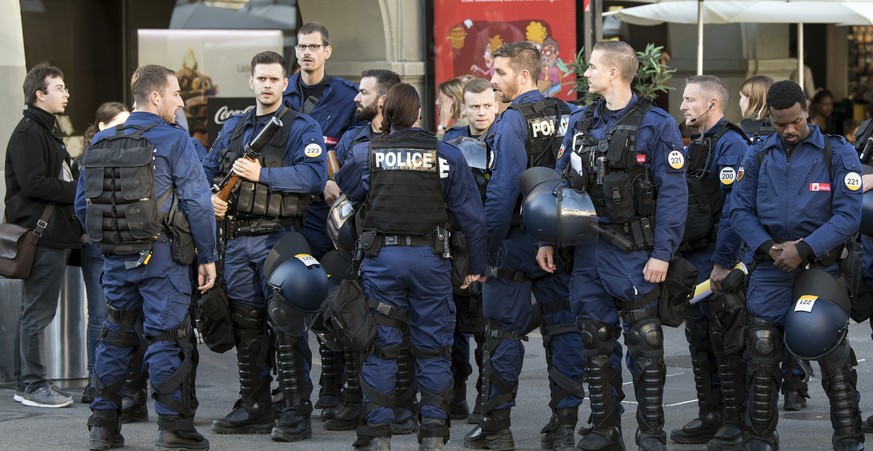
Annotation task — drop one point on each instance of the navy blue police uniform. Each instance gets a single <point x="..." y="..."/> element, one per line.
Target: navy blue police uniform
<point x="335" y="113"/>
<point x="723" y="148"/>
<point x="641" y="168"/>
<point x="469" y="301"/>
<point x="406" y="281"/>
<point x="292" y="168"/>
<point x="515" y="274"/>
<point x="151" y="283"/>
<point x="811" y="193"/>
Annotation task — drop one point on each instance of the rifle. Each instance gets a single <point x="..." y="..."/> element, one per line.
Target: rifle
<point x="251" y="152"/>
<point x="333" y="165"/>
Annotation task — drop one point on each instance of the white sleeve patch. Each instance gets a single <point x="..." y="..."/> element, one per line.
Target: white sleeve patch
<point x="312" y="150"/>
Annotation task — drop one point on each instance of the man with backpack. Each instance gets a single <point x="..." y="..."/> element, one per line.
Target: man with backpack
<point x="131" y="177"/>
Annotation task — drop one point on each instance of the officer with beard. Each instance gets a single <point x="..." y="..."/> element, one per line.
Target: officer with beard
<point x="375" y="83"/>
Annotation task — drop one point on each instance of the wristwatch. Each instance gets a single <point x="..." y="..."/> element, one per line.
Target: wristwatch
<point x="441" y="127"/>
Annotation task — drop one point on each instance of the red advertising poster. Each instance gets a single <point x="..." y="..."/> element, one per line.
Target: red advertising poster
<point x="466" y="32"/>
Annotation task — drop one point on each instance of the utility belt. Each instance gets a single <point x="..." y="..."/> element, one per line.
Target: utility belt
<point x="640" y="231"/>
<point x="439" y="241"/>
<point x="242" y="227"/>
<point x="405" y="240"/>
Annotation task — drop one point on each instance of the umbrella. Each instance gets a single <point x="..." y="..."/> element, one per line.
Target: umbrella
<point x="202" y="16"/>
<point x="842" y="12"/>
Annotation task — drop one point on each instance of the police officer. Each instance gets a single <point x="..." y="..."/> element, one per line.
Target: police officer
<point x="527" y="134"/>
<point x="709" y="242"/>
<point x="148" y="283"/>
<point x="791" y="220"/>
<point x="480" y="108"/>
<point x="627" y="154"/>
<point x="375" y="83"/>
<point x="268" y="203"/>
<point x="330" y="101"/>
<point x="412" y="184"/>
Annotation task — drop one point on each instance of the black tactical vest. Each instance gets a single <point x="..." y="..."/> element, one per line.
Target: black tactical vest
<point x="756" y="130"/>
<point x="405" y="196"/>
<point x="705" y="199"/>
<point x="547" y="122"/>
<point x="122" y="212"/>
<point x="253" y="200"/>
<point x="615" y="176"/>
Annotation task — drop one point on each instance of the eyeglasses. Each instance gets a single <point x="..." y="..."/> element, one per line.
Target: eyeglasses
<point x="59" y="88"/>
<point x="311" y="47"/>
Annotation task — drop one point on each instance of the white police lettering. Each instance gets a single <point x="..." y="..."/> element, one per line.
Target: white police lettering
<point x="224" y="113"/>
<point x="405" y="159"/>
<point x="542" y="126"/>
<point x="444" y="168"/>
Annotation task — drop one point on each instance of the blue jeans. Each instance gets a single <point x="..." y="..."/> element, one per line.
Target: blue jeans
<point x="92" y="271"/>
<point x="41" y="291"/>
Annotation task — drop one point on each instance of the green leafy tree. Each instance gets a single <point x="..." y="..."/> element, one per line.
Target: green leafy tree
<point x="651" y="77"/>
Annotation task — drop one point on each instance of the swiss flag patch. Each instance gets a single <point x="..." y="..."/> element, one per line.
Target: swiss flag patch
<point x="641" y="158"/>
<point x="815" y="186"/>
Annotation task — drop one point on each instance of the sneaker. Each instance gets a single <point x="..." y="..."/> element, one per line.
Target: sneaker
<point x="46" y="396"/>
<point x="19" y="395"/>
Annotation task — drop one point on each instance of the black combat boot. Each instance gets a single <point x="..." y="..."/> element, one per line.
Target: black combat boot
<point x="177" y="433"/>
<point x="253" y="412"/>
<point x="458" y="408"/>
<point x="559" y="433"/>
<point x="294" y="423"/>
<point x="493" y="433"/>
<point x="709" y="400"/>
<point x="349" y="416"/>
<point x="105" y="429"/>
<point x="331" y="381"/>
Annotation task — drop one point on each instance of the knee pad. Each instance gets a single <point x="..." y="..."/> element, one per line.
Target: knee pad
<point x="246" y="316"/>
<point x="765" y="343"/>
<point x="645" y="338"/>
<point x="180" y="378"/>
<point x="285" y="318"/>
<point x="598" y="339"/>
<point x="126" y="320"/>
<point x="697" y="334"/>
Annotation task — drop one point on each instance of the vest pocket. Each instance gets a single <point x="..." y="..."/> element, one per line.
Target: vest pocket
<point x="618" y="197"/>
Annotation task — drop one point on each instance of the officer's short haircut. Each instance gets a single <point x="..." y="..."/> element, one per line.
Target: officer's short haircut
<point x="385" y="79"/>
<point x="621" y="55"/>
<point x="401" y="108"/>
<point x="269" y="57"/>
<point x="477" y="85"/>
<point x="35" y="80"/>
<point x="784" y="94"/>
<point x="522" y="56"/>
<point x="313" y="27"/>
<point x="147" y="79"/>
<point x="711" y="86"/>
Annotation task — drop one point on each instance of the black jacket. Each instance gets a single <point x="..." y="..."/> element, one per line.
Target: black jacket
<point x="34" y="160"/>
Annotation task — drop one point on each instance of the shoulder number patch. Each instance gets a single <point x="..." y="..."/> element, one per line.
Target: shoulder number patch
<point x="676" y="159"/>
<point x="727" y="176"/>
<point x="853" y="181"/>
<point x="312" y="150"/>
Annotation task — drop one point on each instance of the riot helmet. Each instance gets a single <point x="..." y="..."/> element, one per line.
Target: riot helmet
<point x="819" y="319"/>
<point x="555" y="213"/>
